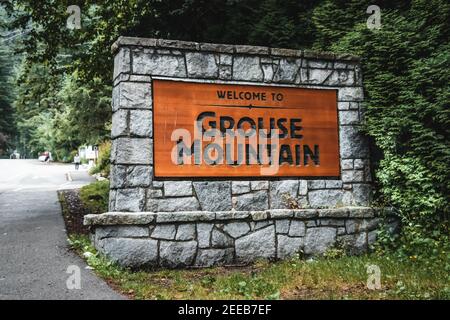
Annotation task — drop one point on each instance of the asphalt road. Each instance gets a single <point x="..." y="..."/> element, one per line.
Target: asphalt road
<point x="35" y="262"/>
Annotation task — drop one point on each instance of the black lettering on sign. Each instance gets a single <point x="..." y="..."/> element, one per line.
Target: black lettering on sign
<point x="285" y="154"/>
<point x="229" y="121"/>
<point x="204" y="115"/>
<point x="184" y="150"/>
<point x="294" y="128"/>
<point x="283" y="129"/>
<point x="308" y="154"/>
<point x="230" y="130"/>
<point x="241" y="95"/>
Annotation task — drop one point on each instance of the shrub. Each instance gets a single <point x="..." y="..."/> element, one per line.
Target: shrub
<point x="406" y="82"/>
<point x="72" y="155"/>
<point x="95" y="196"/>
<point x="103" y="161"/>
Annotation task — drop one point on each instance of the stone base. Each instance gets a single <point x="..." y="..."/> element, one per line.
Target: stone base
<point x="184" y="239"/>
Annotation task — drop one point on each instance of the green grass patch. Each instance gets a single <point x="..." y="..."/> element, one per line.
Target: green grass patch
<point x="323" y="278"/>
<point x="95" y="196"/>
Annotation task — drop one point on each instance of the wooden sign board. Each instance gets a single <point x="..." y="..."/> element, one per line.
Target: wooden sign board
<point x="306" y="119"/>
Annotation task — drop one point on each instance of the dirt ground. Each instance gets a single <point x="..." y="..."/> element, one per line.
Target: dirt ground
<point x="73" y="211"/>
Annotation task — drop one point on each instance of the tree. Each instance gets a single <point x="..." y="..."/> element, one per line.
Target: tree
<point x="34" y="96"/>
<point x="407" y="87"/>
<point x="405" y="66"/>
<point x="285" y="24"/>
<point x="7" y="127"/>
<point x="268" y="22"/>
<point x="88" y="107"/>
<point x="6" y="111"/>
<point x="58" y="113"/>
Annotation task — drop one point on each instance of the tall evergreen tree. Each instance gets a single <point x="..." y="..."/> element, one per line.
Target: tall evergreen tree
<point x="7" y="127"/>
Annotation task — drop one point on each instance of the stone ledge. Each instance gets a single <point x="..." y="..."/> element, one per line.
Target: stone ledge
<point x="119" y="218"/>
<point x="143" y="218"/>
<point x="227" y="48"/>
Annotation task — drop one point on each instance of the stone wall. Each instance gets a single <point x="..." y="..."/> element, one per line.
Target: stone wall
<point x="138" y="61"/>
<point x="210" y="221"/>
<point x="204" y="238"/>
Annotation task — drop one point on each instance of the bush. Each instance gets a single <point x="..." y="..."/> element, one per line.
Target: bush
<point x="95" y="196"/>
<point x="103" y="161"/>
<point x="72" y="155"/>
<point x="406" y="82"/>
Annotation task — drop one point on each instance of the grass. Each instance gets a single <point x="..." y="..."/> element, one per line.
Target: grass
<point x="324" y="278"/>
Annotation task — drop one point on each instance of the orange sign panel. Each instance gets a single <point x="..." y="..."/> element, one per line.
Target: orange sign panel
<point x="224" y="130"/>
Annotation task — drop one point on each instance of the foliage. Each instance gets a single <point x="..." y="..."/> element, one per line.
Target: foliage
<point x="60" y="113"/>
<point x="7" y="127"/>
<point x="89" y="105"/>
<point x="6" y="111"/>
<point x="103" y="164"/>
<point x="405" y="66"/>
<point x="341" y="278"/>
<point x="407" y="84"/>
<point x="95" y="196"/>
<point x="34" y="116"/>
<point x="268" y="22"/>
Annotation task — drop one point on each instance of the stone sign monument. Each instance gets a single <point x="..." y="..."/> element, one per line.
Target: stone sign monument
<point x="223" y="154"/>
